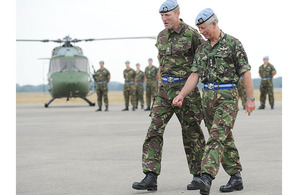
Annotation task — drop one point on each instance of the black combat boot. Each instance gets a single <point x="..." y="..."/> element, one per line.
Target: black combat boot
<point x="272" y="107"/>
<point x="133" y="109"/>
<point x="148" y="183"/>
<point x="191" y="186"/>
<point x="99" y="109"/>
<point x="106" y="109"/>
<point x="148" y="108"/>
<point x="235" y="183"/>
<point x="125" y="109"/>
<point x="261" y="107"/>
<point x="203" y="183"/>
<point x="142" y="107"/>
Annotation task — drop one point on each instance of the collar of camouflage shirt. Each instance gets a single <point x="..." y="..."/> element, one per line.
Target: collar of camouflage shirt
<point x="221" y="38"/>
<point x="179" y="29"/>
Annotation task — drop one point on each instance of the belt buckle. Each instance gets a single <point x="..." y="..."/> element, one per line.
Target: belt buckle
<point x="210" y="85"/>
<point x="170" y="79"/>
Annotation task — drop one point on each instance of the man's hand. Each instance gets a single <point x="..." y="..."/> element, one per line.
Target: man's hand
<point x="250" y="106"/>
<point x="177" y="101"/>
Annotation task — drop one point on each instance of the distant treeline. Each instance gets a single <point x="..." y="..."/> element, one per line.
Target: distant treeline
<point x="117" y="86"/>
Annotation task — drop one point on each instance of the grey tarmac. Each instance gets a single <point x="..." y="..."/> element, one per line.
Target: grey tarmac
<point x="71" y="149"/>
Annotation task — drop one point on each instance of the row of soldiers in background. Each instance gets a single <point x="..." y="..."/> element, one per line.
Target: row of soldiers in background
<point x="266" y="72"/>
<point x="133" y="86"/>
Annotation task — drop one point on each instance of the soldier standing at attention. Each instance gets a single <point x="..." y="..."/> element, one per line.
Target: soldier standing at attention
<point x="140" y="79"/>
<point x="242" y="92"/>
<point x="176" y="46"/>
<point x="129" y="87"/>
<point x="219" y="63"/>
<point x="151" y="76"/>
<point x="102" y="77"/>
<point x="266" y="72"/>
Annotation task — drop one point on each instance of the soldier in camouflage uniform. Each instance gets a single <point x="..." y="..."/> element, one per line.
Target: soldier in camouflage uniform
<point x="176" y="46"/>
<point x="219" y="63"/>
<point x="102" y="77"/>
<point x="140" y="79"/>
<point x="242" y="92"/>
<point x="151" y="76"/>
<point x="129" y="87"/>
<point x="266" y="72"/>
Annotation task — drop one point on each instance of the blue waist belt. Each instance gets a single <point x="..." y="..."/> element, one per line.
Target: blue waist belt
<point x="139" y="83"/>
<point x="219" y="86"/>
<point x="265" y="79"/>
<point x="101" y="82"/>
<point x="131" y="82"/>
<point x="172" y="79"/>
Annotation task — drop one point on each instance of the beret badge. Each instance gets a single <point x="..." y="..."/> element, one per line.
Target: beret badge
<point x="200" y="21"/>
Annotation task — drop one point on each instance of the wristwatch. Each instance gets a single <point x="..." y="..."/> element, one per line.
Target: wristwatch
<point x="252" y="99"/>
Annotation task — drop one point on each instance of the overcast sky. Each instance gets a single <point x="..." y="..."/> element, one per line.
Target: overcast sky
<point x="265" y="27"/>
<point x="254" y="23"/>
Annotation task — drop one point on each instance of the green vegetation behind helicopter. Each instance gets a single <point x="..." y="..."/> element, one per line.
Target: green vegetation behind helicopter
<point x="69" y="73"/>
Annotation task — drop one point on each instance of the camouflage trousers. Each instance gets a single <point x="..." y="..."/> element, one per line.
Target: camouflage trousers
<point x="266" y="88"/>
<point x="220" y="108"/>
<point x="129" y="93"/>
<point x="151" y="90"/>
<point x="102" y="91"/>
<point x="140" y="94"/>
<point x="242" y="92"/>
<point x="189" y="116"/>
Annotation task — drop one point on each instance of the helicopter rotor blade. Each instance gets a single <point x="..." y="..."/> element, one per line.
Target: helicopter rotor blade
<point x="119" y="38"/>
<point x="34" y="40"/>
<point x="79" y="40"/>
<point x="43" y="40"/>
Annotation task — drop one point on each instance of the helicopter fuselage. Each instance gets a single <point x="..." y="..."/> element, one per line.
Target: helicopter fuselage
<point x="68" y="74"/>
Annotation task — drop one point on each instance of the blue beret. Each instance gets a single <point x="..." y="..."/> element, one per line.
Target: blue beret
<point x="203" y="16"/>
<point x="168" y="5"/>
<point x="101" y="61"/>
<point x="137" y="64"/>
<point x="150" y="59"/>
<point x="127" y="62"/>
<point x="266" y="58"/>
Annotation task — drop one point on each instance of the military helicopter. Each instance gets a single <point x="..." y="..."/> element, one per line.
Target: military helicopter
<point x="69" y="74"/>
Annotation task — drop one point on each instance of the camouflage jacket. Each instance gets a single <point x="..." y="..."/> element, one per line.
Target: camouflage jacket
<point x="140" y="78"/>
<point x="176" y="50"/>
<point x="150" y="73"/>
<point x="266" y="72"/>
<point x="102" y="75"/>
<point x="129" y="75"/>
<point x="225" y="62"/>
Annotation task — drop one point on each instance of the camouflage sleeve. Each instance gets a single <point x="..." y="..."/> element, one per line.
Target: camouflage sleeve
<point x="241" y="59"/>
<point x="134" y="74"/>
<point x="197" y="40"/>
<point x="273" y="69"/>
<point x="196" y="63"/>
<point x="156" y="70"/>
<point x="143" y="77"/>
<point x="108" y="74"/>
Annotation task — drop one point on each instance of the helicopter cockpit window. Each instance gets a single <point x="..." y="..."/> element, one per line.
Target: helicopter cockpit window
<point x="58" y="65"/>
<point x="80" y="64"/>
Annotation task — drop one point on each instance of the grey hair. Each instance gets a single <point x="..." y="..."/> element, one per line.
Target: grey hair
<point x="212" y="19"/>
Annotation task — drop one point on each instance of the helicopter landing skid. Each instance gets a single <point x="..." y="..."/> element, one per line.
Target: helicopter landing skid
<point x="84" y="98"/>
<point x="47" y="104"/>
<point x="88" y="101"/>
